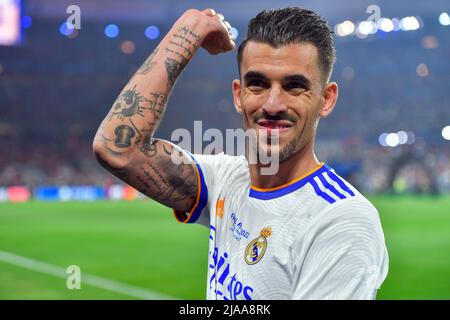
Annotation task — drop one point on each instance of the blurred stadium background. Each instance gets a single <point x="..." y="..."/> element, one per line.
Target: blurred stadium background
<point x="389" y="135"/>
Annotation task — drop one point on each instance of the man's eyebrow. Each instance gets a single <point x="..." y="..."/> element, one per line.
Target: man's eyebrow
<point x="294" y="77"/>
<point x="254" y="74"/>
<point x="299" y="78"/>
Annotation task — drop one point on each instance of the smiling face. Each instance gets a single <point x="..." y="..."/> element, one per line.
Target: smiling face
<point x="282" y="91"/>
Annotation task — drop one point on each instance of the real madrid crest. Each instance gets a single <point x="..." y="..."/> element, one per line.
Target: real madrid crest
<point x="257" y="247"/>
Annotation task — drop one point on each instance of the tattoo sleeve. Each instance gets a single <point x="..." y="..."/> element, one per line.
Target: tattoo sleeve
<point x="124" y="143"/>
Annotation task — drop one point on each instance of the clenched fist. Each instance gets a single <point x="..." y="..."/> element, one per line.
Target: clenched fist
<point x="215" y="31"/>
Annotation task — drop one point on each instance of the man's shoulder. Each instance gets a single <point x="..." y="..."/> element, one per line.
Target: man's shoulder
<point x="221" y="160"/>
<point x="222" y="166"/>
<point x="339" y="200"/>
<point x="355" y="205"/>
<point x="348" y="221"/>
<point x="328" y="189"/>
<point x="354" y="217"/>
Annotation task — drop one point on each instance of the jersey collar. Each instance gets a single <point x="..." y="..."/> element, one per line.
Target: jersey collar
<point x="284" y="189"/>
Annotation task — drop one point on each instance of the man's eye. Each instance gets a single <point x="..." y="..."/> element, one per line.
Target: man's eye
<point x="294" y="85"/>
<point x="256" y="83"/>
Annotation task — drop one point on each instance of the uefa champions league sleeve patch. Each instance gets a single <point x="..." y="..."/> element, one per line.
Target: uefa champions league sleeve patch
<point x="257" y="247"/>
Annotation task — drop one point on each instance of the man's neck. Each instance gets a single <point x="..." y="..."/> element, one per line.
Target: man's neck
<point x="299" y="164"/>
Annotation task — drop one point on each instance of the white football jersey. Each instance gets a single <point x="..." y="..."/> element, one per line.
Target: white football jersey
<point x="315" y="237"/>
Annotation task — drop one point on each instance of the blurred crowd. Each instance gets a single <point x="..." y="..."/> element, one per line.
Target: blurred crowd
<point x="373" y="169"/>
<point x="37" y="165"/>
<point x="54" y="92"/>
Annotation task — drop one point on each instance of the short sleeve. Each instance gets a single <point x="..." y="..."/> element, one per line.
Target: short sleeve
<point x="345" y="256"/>
<point x="211" y="175"/>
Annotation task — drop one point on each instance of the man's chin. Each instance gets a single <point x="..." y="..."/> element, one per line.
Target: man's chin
<point x="273" y="153"/>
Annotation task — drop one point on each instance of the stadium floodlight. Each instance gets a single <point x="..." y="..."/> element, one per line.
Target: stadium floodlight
<point x="392" y="140"/>
<point x="429" y="42"/>
<point x="65" y="29"/>
<point x="422" y="70"/>
<point x="111" y="31"/>
<point x="411" y="137"/>
<point x="234" y="33"/>
<point x="409" y="24"/>
<point x="402" y="137"/>
<point x="127" y="47"/>
<point x="345" y="28"/>
<point x="396" y="24"/>
<point x="386" y="25"/>
<point x="382" y="139"/>
<point x="337" y="30"/>
<point x="367" y="27"/>
<point x="446" y="133"/>
<point x="26" y="22"/>
<point x="152" y="32"/>
<point x="444" y="19"/>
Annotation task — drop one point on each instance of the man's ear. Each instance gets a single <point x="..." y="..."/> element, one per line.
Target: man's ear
<point x="237" y="95"/>
<point x="329" y="97"/>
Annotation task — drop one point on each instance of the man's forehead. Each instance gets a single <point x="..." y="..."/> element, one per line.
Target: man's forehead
<point x="288" y="59"/>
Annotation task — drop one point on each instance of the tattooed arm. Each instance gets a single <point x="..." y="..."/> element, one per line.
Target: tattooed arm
<point x="124" y="143"/>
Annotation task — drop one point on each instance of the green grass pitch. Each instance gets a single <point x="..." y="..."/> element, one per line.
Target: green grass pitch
<point x="141" y="244"/>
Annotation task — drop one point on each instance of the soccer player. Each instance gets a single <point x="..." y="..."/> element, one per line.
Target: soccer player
<point x="301" y="233"/>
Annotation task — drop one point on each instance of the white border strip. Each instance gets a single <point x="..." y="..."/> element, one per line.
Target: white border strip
<point x="92" y="280"/>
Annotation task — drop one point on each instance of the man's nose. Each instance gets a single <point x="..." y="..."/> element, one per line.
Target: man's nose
<point x="275" y="102"/>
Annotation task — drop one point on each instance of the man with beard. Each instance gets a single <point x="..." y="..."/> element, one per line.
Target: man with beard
<point x="301" y="233"/>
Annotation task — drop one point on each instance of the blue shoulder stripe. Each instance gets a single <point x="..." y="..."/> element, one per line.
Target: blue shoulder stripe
<point x="331" y="187"/>
<point x="340" y="183"/>
<point x="320" y="193"/>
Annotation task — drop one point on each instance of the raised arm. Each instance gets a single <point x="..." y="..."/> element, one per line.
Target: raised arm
<point x="124" y="143"/>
